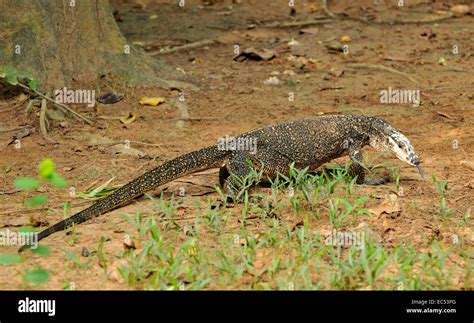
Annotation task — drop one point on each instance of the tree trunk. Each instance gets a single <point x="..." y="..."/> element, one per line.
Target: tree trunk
<point x="67" y="42"/>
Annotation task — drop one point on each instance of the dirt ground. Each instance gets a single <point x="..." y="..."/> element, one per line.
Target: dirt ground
<point x="232" y="99"/>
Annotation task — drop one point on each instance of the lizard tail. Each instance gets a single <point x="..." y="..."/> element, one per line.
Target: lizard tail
<point x="206" y="158"/>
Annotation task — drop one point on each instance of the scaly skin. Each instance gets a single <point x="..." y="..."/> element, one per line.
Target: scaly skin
<point x="307" y="142"/>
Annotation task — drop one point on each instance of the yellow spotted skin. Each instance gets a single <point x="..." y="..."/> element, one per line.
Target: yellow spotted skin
<point x="307" y="142"/>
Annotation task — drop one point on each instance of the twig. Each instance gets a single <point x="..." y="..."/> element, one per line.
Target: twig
<point x="30" y="210"/>
<point x="196" y="119"/>
<point x="15" y="106"/>
<point x="304" y="23"/>
<point x="194" y="45"/>
<point x="448" y="88"/>
<point x="301" y="23"/>
<point x="9" y="192"/>
<point x="384" y="22"/>
<point x="108" y="117"/>
<point x="58" y="104"/>
<point x="401" y="22"/>
<point x="113" y="143"/>
<point x="141" y="143"/>
<point x="446" y="115"/>
<point x="381" y="68"/>
<point x="29" y="106"/>
<point x="12" y="129"/>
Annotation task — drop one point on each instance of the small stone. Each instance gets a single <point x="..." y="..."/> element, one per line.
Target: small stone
<point x="273" y="80"/>
<point x="85" y="252"/>
<point x="129" y="243"/>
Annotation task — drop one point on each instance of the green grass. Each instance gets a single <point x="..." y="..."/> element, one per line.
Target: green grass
<point x="305" y="231"/>
<point x="263" y="249"/>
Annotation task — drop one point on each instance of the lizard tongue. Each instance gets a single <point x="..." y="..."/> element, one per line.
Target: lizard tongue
<point x="422" y="174"/>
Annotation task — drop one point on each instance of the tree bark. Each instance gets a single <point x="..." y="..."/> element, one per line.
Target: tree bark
<point x="66" y="43"/>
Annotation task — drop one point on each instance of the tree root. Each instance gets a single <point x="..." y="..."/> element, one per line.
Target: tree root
<point x="194" y="45"/>
<point x="43" y="128"/>
<point x="77" y="115"/>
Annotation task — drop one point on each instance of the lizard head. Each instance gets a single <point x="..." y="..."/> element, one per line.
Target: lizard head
<point x="386" y="137"/>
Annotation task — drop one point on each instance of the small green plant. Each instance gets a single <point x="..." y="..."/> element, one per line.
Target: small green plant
<point x="8" y="259"/>
<point x="242" y="185"/>
<point x="26" y="81"/>
<point x="36" y="276"/>
<point x="46" y="172"/>
<point x="101" y="191"/>
<point x="75" y="261"/>
<point x="339" y="215"/>
<point x="14" y="77"/>
<point x="442" y="189"/>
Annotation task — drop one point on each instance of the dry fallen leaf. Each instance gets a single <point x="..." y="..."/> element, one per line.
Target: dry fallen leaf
<point x="130" y="118"/>
<point x="153" y="101"/>
<point x="345" y="39"/>
<point x="17" y="221"/>
<point x="293" y="42"/>
<point x="460" y="10"/>
<point x="389" y="205"/>
<point x="396" y="58"/>
<point x="113" y="272"/>
<point x="313" y="8"/>
<point x="336" y="73"/>
<point x="126" y="150"/>
<point x="37" y="220"/>
<point x="94" y="140"/>
<point x="446" y="115"/>
<point x="110" y="98"/>
<point x="334" y="46"/>
<point x="251" y="53"/>
<point x="309" y="30"/>
<point x="467" y="164"/>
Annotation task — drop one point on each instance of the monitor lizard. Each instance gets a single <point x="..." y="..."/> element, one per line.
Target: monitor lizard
<point x="307" y="142"/>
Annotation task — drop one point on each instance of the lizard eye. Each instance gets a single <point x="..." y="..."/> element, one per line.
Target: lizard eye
<point x="400" y="145"/>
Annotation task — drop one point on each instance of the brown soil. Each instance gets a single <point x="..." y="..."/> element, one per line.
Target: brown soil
<point x="233" y="99"/>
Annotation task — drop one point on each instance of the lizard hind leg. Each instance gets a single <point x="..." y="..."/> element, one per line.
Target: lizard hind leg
<point x="232" y="178"/>
<point x="223" y="175"/>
